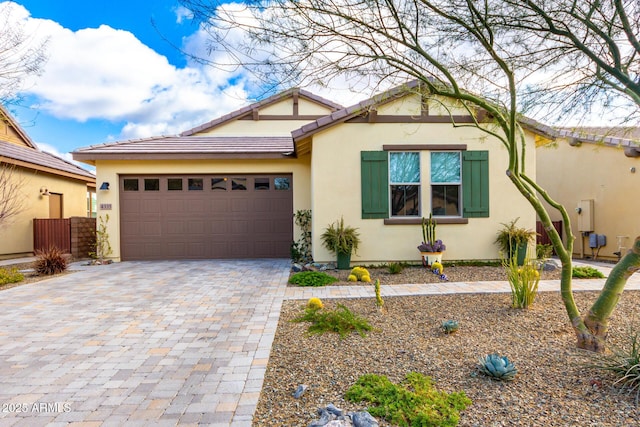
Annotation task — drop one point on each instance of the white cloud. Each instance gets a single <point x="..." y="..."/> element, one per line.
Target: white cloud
<point x="106" y="73"/>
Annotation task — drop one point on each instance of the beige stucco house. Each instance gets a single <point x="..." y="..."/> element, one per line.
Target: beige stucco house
<point x="48" y="187"/>
<point x="595" y="174"/>
<point x="229" y="188"/>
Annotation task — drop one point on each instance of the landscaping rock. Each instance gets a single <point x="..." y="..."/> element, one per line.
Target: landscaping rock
<point x="331" y="416"/>
<point x="300" y="391"/>
<point x="550" y="265"/>
<point x="296" y="268"/>
<point x="363" y="419"/>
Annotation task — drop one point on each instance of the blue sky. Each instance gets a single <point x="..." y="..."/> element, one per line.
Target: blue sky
<point x="112" y="75"/>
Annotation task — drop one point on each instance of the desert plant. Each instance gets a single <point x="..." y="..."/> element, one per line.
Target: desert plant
<point x="395" y="268"/>
<point x="510" y="237"/>
<point x="450" y="326"/>
<point x="339" y="238"/>
<point x="361" y="274"/>
<point x="543" y="251"/>
<point x="523" y="280"/>
<point x="414" y="402"/>
<point x="314" y="303"/>
<point x="497" y="367"/>
<point x="301" y="250"/>
<point x="10" y="275"/>
<point x="339" y="320"/>
<point x="50" y="261"/>
<point x="429" y="241"/>
<point x="312" y="278"/>
<point x="379" y="300"/>
<point x="586" y="272"/>
<point x="625" y="363"/>
<point x="102" y="246"/>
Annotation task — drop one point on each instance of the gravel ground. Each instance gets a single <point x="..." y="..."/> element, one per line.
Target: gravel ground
<point x="555" y="385"/>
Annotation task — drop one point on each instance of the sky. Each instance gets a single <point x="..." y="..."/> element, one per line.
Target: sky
<point x="117" y="70"/>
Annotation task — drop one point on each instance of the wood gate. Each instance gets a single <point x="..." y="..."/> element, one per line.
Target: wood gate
<point x="52" y="232"/>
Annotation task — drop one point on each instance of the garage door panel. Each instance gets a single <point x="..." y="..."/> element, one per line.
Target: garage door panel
<point x="208" y="223"/>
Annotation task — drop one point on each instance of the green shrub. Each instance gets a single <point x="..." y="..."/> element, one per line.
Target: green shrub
<point x="523" y="280"/>
<point x="625" y="363"/>
<point x="395" y="267"/>
<point x="543" y="251"/>
<point x="340" y="320"/>
<point x="311" y="278"/>
<point x="586" y="272"/>
<point x="50" y="261"/>
<point x="415" y="402"/>
<point x="11" y="275"/>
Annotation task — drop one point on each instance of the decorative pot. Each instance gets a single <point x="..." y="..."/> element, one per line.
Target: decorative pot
<point x="521" y="252"/>
<point x="428" y="258"/>
<point x="344" y="261"/>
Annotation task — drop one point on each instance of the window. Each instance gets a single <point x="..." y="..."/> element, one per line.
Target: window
<point x="404" y="182"/>
<point x="219" y="184"/>
<point x="196" y="184"/>
<point x="281" y="183"/>
<point x="458" y="184"/>
<point x="446" y="180"/>
<point x="151" y="184"/>
<point x="261" y="183"/>
<point x="238" y="184"/>
<point x="174" y="184"/>
<point x="130" y="184"/>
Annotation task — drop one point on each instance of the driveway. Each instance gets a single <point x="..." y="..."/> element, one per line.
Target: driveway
<point x="140" y="343"/>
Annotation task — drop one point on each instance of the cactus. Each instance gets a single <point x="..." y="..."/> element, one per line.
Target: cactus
<point x="314" y="303"/>
<point x="428" y="230"/>
<point x="450" y="326"/>
<point x="498" y="367"/>
<point x="379" y="300"/>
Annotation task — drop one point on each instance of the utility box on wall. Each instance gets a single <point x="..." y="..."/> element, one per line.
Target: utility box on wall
<point x="585" y="215"/>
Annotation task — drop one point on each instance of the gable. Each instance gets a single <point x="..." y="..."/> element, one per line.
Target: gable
<point x="10" y="131"/>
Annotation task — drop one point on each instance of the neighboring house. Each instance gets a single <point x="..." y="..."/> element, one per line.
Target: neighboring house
<point x="595" y="174"/>
<point x="229" y="188"/>
<point x="50" y="187"/>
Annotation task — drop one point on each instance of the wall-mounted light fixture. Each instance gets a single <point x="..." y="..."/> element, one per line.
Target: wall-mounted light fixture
<point x="44" y="191"/>
<point x="632" y="169"/>
<point x="104" y="186"/>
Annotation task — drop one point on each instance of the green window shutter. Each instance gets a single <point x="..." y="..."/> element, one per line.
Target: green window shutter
<point x="374" y="170"/>
<point x="475" y="184"/>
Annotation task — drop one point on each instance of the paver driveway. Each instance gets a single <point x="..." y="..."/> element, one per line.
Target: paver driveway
<point x="140" y="343"/>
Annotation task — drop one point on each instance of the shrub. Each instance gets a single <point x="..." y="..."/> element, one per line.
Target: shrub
<point x="50" y="261"/>
<point x="586" y="272"/>
<point x="314" y="303"/>
<point x="395" y="268"/>
<point x="361" y="274"/>
<point x="625" y="363"/>
<point x="543" y="251"/>
<point x="340" y="320"/>
<point x="523" y="280"/>
<point x="414" y="402"/>
<point x="11" y="275"/>
<point x="311" y="278"/>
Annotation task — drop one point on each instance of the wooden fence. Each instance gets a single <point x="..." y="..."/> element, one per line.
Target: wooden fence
<point x="75" y="235"/>
<point x="543" y="238"/>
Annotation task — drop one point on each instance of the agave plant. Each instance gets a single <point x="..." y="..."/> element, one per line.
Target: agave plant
<point x="498" y="367"/>
<point x="450" y="326"/>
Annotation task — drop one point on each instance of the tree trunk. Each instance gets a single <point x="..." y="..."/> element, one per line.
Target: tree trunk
<point x="597" y="319"/>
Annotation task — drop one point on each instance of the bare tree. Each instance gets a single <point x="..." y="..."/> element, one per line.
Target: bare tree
<point x="11" y="197"/>
<point x="21" y="53"/>
<point x="492" y="55"/>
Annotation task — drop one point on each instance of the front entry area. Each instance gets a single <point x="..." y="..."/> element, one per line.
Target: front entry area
<point x="206" y="216"/>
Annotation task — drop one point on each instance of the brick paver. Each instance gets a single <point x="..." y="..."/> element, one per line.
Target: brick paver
<point x="140" y="343"/>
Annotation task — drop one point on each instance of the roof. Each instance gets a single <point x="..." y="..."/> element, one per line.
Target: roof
<point x="627" y="138"/>
<point x="36" y="159"/>
<point x="249" y="109"/>
<point x="25" y="137"/>
<point x="190" y="147"/>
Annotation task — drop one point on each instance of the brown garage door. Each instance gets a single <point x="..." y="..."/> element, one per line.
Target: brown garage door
<point x="206" y="216"/>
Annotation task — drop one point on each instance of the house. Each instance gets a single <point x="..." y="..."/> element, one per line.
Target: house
<point x="48" y="187"/>
<point x="595" y="173"/>
<point x="229" y="188"/>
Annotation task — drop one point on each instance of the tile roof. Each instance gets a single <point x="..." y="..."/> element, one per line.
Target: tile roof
<point x="196" y="146"/>
<point x="39" y="158"/>
<point x="257" y="105"/>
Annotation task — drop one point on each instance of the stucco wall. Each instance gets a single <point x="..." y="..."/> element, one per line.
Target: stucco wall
<point x="17" y="237"/>
<point x="336" y="188"/>
<point x="109" y="171"/>
<point x="598" y="172"/>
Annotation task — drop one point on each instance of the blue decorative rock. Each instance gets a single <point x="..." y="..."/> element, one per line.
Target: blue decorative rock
<point x="363" y="419"/>
<point x="300" y="391"/>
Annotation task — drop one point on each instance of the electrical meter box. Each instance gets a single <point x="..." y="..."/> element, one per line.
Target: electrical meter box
<point x="585" y="215"/>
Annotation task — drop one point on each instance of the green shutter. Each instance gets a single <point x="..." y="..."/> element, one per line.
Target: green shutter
<point x="475" y="184"/>
<point x="374" y="171"/>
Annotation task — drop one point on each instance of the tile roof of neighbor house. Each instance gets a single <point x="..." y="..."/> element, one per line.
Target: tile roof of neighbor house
<point x="25" y="137"/>
<point x="265" y="102"/>
<point x="176" y="147"/>
<point x="26" y="156"/>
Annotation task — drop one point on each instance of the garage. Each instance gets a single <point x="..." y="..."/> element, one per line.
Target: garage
<point x="206" y="216"/>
